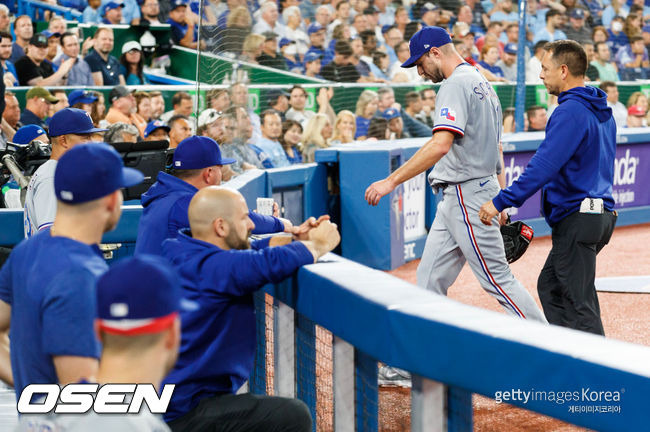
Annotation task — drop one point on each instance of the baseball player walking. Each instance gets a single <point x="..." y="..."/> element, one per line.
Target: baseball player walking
<point x="574" y="166"/>
<point x="465" y="151"/>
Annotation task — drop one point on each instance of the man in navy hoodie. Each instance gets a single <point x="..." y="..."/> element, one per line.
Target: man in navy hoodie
<point x="197" y="164"/>
<point x="220" y="270"/>
<point x="574" y="166"/>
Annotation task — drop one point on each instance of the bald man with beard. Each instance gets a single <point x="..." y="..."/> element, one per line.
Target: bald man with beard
<point x="220" y="270"/>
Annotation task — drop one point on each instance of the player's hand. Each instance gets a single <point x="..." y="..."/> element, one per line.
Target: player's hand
<point x="301" y="232"/>
<point x="487" y="213"/>
<point x="325" y="237"/>
<point x="377" y="190"/>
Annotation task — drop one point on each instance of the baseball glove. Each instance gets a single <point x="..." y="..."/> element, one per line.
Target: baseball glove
<point x="516" y="238"/>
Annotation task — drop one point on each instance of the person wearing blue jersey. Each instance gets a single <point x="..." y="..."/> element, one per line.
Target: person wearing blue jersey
<point x="220" y="270"/>
<point x="47" y="286"/>
<point x="197" y="164"/>
<point x="574" y="167"/>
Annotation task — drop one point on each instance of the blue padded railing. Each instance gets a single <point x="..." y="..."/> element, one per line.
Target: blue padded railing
<point x="30" y="7"/>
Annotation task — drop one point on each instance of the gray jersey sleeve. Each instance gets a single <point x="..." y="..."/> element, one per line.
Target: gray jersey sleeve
<point x="452" y="108"/>
<point x="44" y="203"/>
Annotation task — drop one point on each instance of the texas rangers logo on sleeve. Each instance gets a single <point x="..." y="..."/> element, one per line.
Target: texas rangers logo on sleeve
<point x="448" y="114"/>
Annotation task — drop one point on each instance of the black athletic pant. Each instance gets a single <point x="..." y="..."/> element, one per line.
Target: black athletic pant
<point x="566" y="284"/>
<point x="245" y="412"/>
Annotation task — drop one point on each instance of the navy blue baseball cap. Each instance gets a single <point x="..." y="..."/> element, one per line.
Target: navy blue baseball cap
<point x="314" y="27"/>
<point x="390" y="113"/>
<point x="284" y="41"/>
<point x="198" y="152"/>
<point x="312" y="56"/>
<point x="81" y="96"/>
<point x="72" y="121"/>
<point x="113" y="5"/>
<point x="178" y="3"/>
<point x="153" y="125"/>
<point x="48" y="34"/>
<point x="425" y="39"/>
<point x="510" y="48"/>
<point x="428" y="7"/>
<point x="138" y="295"/>
<point x="27" y="134"/>
<point x="90" y="171"/>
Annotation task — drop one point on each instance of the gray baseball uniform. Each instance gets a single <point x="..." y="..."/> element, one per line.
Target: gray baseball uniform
<point x="468" y="106"/>
<point x="40" y="200"/>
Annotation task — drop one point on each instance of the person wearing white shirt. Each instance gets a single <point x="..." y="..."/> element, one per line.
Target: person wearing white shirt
<point x="269" y="20"/>
<point x="618" y="109"/>
<point x="534" y="66"/>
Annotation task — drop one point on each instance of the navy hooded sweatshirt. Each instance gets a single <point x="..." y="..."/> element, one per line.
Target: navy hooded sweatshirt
<point x="165" y="212"/>
<point x="218" y="318"/>
<point x="575" y="160"/>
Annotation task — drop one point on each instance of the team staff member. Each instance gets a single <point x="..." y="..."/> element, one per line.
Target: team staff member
<point x="197" y="164"/>
<point x="138" y="300"/>
<point x="574" y="166"/>
<point x="68" y="127"/>
<point x="219" y="274"/>
<point x="465" y="152"/>
<point x="47" y="287"/>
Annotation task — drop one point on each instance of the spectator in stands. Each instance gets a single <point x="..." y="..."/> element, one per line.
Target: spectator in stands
<point x="32" y="69"/>
<point x="24" y="31"/>
<point x="607" y="70"/>
<point x="313" y="65"/>
<point x="293" y="31"/>
<point x="316" y="136"/>
<point x="399" y="74"/>
<point x="503" y="12"/>
<point x="534" y="66"/>
<point x="615" y="9"/>
<point x="393" y="36"/>
<point x="268" y="148"/>
<point x="5" y="22"/>
<point x="379" y="66"/>
<point x="179" y="129"/>
<point x="412" y="126"/>
<point x="317" y="42"/>
<point x="183" y="25"/>
<point x="576" y="30"/>
<point x="11" y="113"/>
<point x="121" y="133"/>
<point x="491" y="37"/>
<point x="143" y="105"/>
<point x="268" y="21"/>
<point x="428" y="96"/>
<point x="430" y="14"/>
<point x="68" y="128"/>
<point x="323" y="17"/>
<point x="82" y="99"/>
<point x="62" y="103"/>
<point x="240" y="150"/>
<point x="365" y="110"/>
<point x="98" y="110"/>
<point x="509" y="120"/>
<point x="278" y="100"/>
<point x="551" y="32"/>
<point x="632" y="60"/>
<point x="378" y="129"/>
<point x="359" y="24"/>
<point x="632" y="25"/>
<point x="157" y="104"/>
<point x="599" y="34"/>
<point x="372" y="14"/>
<point x="508" y="62"/>
<point x="592" y="72"/>
<point x="9" y="71"/>
<point x="297" y="101"/>
<point x="638" y="98"/>
<point x="340" y="69"/>
<point x="104" y="67"/>
<point x="345" y="128"/>
<point x="617" y="38"/>
<point x="181" y="104"/>
<point x="53" y="42"/>
<point x="341" y="14"/>
<point x="122" y="109"/>
<point x="395" y="124"/>
<point x="369" y="42"/>
<point x="218" y="99"/>
<point x="290" y="141"/>
<point x="536" y="118"/>
<point x="269" y="56"/>
<point x="150" y="11"/>
<point x="92" y="13"/>
<point x="239" y="97"/>
<point x="413" y="107"/>
<point x="132" y="64"/>
<point x="80" y="73"/>
<point x="209" y="126"/>
<point x="252" y="48"/>
<point x="635" y="117"/>
<point x="489" y="59"/>
<point x="113" y="13"/>
<point x="156" y="131"/>
<point x="37" y="106"/>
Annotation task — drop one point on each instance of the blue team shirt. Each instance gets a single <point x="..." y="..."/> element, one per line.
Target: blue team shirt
<point x="50" y="284"/>
<point x="218" y="322"/>
<point x="165" y="207"/>
<point x="362" y="127"/>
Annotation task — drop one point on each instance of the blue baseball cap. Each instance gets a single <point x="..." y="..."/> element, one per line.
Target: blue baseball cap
<point x="312" y="56"/>
<point x="510" y="48"/>
<point x="90" y="171"/>
<point x="113" y="5"/>
<point x="72" y="121"/>
<point x="48" y="34"/>
<point x="81" y="96"/>
<point x="198" y="152"/>
<point x="178" y="3"/>
<point x="284" y="41"/>
<point x="428" y="7"/>
<point x="27" y="134"/>
<point x="138" y="295"/>
<point x="425" y="39"/>
<point x="390" y="113"/>
<point x="153" y="125"/>
<point x="314" y="27"/>
<point x="577" y="13"/>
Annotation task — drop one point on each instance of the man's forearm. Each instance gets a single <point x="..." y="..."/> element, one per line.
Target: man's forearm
<point x="428" y="155"/>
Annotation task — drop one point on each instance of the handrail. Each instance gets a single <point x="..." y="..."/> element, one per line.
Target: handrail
<point x="29" y="7"/>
